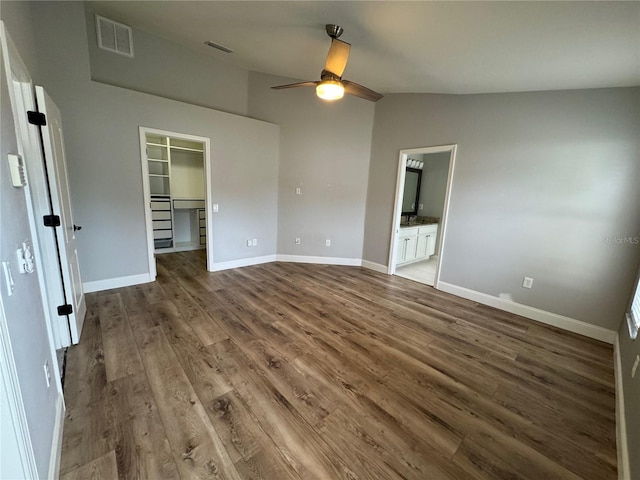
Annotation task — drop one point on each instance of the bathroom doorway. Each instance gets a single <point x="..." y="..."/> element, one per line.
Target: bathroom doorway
<point x="419" y="223"/>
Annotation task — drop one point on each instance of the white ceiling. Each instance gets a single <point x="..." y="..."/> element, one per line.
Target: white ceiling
<point x="419" y="46"/>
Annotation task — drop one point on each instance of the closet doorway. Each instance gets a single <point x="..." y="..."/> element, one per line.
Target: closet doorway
<point x="176" y="169"/>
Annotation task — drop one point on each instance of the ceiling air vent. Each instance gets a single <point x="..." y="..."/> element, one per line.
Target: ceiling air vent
<point x="114" y="37"/>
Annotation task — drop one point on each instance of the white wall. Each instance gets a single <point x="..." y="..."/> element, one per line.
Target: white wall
<point x="169" y="70"/>
<point x="541" y="181"/>
<point x="101" y="132"/>
<point x="187" y="175"/>
<point x="324" y="150"/>
<point x="23" y="310"/>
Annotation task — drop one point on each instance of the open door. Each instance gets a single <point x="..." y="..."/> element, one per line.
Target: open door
<point x="61" y="217"/>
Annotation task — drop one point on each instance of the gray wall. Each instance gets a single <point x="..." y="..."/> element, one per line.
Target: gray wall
<point x="18" y="18"/>
<point x="324" y="150"/>
<point x="629" y="349"/>
<point x="23" y="310"/>
<point x="101" y="134"/>
<point x="164" y="68"/>
<point x="541" y="181"/>
<point x="434" y="183"/>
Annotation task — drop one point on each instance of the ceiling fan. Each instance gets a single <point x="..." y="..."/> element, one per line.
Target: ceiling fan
<point x="331" y="86"/>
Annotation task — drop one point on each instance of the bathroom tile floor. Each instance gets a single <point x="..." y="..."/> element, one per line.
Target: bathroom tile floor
<point x="423" y="272"/>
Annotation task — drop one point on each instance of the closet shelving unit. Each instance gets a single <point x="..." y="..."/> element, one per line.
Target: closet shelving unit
<point x="164" y="182"/>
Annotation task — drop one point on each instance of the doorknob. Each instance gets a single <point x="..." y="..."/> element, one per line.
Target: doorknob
<point x="77" y="227"/>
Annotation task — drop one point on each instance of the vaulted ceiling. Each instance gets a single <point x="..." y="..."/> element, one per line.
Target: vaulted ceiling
<point x="419" y="46"/>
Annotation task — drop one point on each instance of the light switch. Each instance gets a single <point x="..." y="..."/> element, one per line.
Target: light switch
<point x="216" y="208"/>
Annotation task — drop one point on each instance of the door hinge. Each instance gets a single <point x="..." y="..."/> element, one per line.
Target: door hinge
<point x="37" y="118"/>
<point x="65" y="309"/>
<point x="51" y="220"/>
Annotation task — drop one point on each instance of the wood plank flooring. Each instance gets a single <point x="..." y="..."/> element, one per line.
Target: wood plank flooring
<point x="303" y="372"/>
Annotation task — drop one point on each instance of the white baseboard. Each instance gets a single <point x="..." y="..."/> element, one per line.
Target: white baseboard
<point x="376" y="267"/>
<point x="56" y="440"/>
<point x="352" y="262"/>
<point x="118" y="282"/>
<point x="621" y="420"/>
<point x="242" y="262"/>
<point x="566" y="323"/>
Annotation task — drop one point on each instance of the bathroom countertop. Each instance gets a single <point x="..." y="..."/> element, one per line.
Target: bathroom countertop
<point x="416" y="224"/>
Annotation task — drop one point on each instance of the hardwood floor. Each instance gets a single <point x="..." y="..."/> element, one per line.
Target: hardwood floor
<point x="293" y="371"/>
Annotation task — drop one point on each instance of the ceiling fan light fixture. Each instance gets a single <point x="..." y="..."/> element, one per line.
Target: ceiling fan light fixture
<point x="330" y="90"/>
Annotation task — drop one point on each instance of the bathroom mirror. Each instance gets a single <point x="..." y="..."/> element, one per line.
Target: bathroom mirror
<point x="411" y="196"/>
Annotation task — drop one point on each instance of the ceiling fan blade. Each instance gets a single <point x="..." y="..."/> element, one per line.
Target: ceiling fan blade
<point x="294" y="85"/>
<point x="337" y="57"/>
<point x="358" y="90"/>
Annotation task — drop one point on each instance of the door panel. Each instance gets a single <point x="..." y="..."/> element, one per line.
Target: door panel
<point x="56" y="163"/>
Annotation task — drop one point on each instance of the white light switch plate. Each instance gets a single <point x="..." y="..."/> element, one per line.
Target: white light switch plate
<point x="16" y="167"/>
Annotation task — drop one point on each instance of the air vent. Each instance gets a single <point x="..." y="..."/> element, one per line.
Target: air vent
<point x="114" y="37"/>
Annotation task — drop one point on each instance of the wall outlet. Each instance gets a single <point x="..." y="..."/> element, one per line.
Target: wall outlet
<point x="298" y="191"/>
<point x="421" y="206"/>
<point x="635" y="366"/>
<point x="327" y="242"/>
<point x="254" y="242"/>
<point x="527" y="282"/>
<point x="249" y="243"/>
<point x="47" y="373"/>
<point x="297" y="240"/>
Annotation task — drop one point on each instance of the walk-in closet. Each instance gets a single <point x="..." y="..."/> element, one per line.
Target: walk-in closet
<point x="176" y="176"/>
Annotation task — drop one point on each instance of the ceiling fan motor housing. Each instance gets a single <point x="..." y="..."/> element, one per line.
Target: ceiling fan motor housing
<point x="334" y="31"/>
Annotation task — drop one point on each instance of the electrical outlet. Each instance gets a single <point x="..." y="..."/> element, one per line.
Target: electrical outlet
<point x="249" y="243"/>
<point x="527" y="282"/>
<point x="47" y="373"/>
<point x="298" y="191"/>
<point x="297" y="240"/>
<point x="254" y="242"/>
<point x="421" y="206"/>
<point x="635" y="366"/>
<point x="327" y="242"/>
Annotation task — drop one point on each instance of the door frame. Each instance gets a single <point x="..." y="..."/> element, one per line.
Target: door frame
<point x="23" y="99"/>
<point x="397" y="210"/>
<point x="143" y="131"/>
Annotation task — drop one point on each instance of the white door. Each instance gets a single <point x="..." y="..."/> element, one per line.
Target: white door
<point x="56" y="163"/>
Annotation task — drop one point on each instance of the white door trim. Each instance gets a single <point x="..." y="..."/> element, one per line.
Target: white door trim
<point x="11" y="391"/>
<point x="397" y="211"/>
<point x="143" y="131"/>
